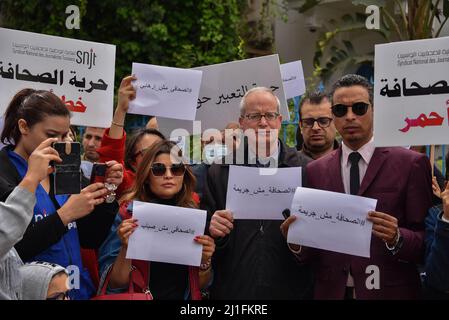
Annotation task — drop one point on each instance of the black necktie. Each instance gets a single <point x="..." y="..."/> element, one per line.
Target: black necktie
<point x="354" y="176"/>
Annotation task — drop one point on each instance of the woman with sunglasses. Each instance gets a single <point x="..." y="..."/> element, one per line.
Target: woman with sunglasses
<point x="113" y="142"/>
<point x="158" y="180"/>
<point x="61" y="224"/>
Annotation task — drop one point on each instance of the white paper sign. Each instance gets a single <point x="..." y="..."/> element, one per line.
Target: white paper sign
<point x="254" y="195"/>
<point x="331" y="221"/>
<point x="293" y="79"/>
<point x="411" y="93"/>
<point x="166" y="92"/>
<point x="222" y="88"/>
<point x="165" y="234"/>
<point x="80" y="72"/>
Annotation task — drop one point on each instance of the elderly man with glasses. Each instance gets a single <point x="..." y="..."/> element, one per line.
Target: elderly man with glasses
<point x="252" y="260"/>
<point x="316" y="125"/>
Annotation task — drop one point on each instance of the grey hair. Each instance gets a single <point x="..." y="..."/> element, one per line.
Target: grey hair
<point x="258" y="89"/>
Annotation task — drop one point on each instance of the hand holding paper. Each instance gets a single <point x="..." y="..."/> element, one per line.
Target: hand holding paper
<point x="208" y="247"/>
<point x="126" y="228"/>
<point x="385" y="226"/>
<point x="337" y="224"/>
<point x="221" y="223"/>
<point x="126" y="93"/>
<point x="167" y="234"/>
<point x="284" y="230"/>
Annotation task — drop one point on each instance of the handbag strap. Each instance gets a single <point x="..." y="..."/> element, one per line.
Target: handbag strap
<point x="134" y="277"/>
<point x="141" y="280"/>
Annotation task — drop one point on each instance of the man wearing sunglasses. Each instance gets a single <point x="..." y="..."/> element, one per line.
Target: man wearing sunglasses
<point x="316" y="125"/>
<point x="252" y="261"/>
<point x="398" y="178"/>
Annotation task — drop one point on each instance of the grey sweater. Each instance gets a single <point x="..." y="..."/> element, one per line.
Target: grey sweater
<point x="15" y="216"/>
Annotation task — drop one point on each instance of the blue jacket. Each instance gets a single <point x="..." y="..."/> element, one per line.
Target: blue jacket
<point x="67" y="251"/>
<point x="47" y="239"/>
<point x="436" y="281"/>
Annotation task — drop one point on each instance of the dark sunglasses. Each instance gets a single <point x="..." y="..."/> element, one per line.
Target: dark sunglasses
<point x="323" y="122"/>
<point x="359" y="109"/>
<point x="159" y="169"/>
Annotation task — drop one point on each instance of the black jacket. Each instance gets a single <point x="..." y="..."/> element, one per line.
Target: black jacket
<point x="254" y="261"/>
<point x="92" y="229"/>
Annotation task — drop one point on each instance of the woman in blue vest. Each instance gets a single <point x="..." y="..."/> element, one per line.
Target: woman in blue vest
<point x="61" y="224"/>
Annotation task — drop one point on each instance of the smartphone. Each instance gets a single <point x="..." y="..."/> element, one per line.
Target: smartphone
<point x="98" y="172"/>
<point x="67" y="174"/>
<point x="286" y="213"/>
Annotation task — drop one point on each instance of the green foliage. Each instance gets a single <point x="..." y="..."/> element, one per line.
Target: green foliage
<point x="187" y="33"/>
<point x="174" y="33"/>
<point x="396" y="23"/>
<point x="290" y="126"/>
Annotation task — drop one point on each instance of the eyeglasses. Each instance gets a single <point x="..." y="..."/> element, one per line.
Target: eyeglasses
<point x="323" y="122"/>
<point x="60" y="296"/>
<point x="269" y="116"/>
<point x="159" y="169"/>
<point x="359" y="108"/>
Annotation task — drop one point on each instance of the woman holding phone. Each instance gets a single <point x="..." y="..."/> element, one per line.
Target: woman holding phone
<point x="61" y="224"/>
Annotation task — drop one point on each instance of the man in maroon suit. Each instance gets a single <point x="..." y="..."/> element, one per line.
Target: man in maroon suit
<point x="398" y="178"/>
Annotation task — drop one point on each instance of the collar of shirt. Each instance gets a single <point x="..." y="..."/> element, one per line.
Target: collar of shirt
<point x="366" y="151"/>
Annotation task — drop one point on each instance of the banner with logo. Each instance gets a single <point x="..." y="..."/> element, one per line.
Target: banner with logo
<point x="411" y="93"/>
<point x="80" y="72"/>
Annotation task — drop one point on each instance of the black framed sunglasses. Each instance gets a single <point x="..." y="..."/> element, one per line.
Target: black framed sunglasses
<point x="359" y="109"/>
<point x="159" y="169"/>
<point x="323" y="122"/>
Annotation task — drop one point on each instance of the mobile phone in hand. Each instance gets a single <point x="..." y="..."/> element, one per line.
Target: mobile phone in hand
<point x="67" y="174"/>
<point x="98" y="172"/>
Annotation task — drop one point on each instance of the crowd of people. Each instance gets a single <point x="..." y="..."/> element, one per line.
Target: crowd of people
<point x="73" y="246"/>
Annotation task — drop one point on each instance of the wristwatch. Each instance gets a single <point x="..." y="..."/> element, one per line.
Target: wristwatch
<point x="397" y="244"/>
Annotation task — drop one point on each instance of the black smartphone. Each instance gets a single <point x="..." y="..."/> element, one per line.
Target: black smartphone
<point x="98" y="172"/>
<point x="67" y="174"/>
<point x="286" y="213"/>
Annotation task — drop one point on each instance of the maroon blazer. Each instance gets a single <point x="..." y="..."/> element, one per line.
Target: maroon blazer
<point x="400" y="180"/>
